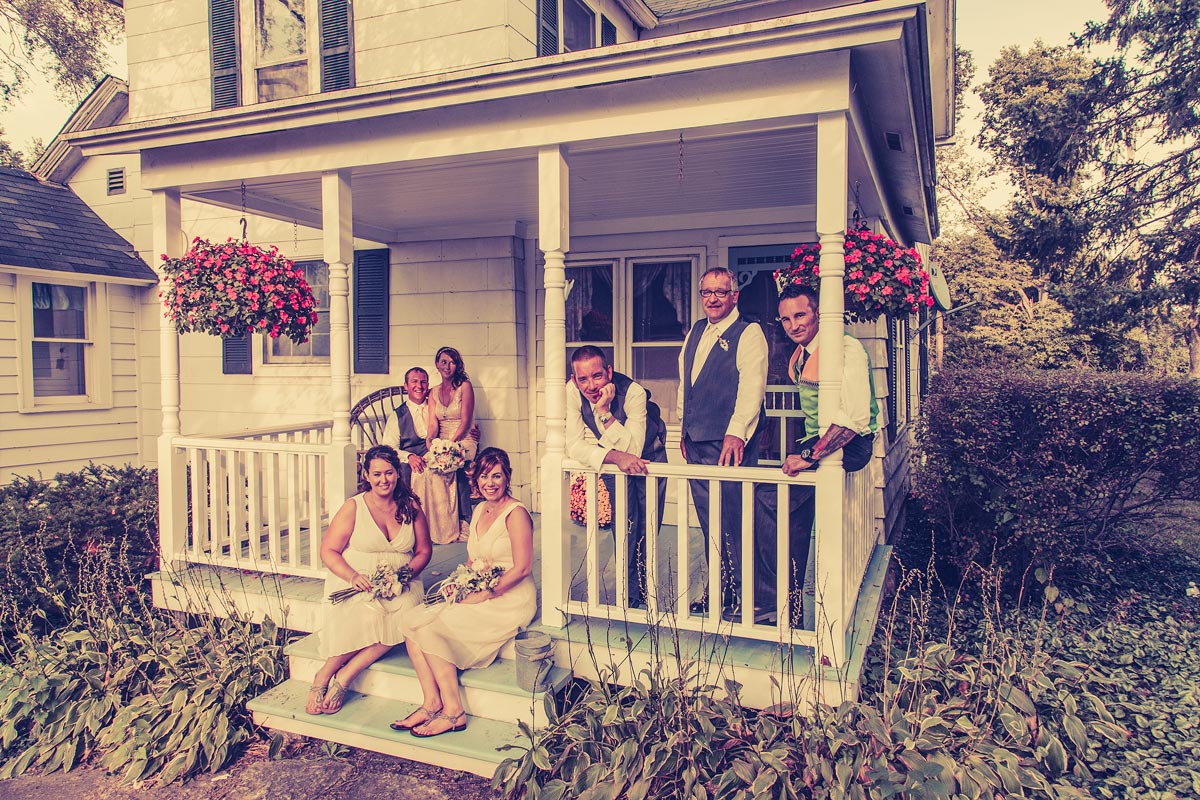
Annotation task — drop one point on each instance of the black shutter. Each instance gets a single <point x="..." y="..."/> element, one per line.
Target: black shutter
<point x="547" y="44"/>
<point x="371" y="295"/>
<point x="608" y="32"/>
<point x="226" y="66"/>
<point x="337" y="50"/>
<point x="236" y="358"/>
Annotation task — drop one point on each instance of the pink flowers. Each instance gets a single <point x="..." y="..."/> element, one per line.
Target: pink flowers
<point x="234" y="288"/>
<point x="881" y="277"/>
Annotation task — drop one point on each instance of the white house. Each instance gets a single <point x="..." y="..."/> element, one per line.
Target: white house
<point x="515" y="178"/>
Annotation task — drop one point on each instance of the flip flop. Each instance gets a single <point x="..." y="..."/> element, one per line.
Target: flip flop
<point x="399" y="725"/>
<point x="454" y="721"/>
<point x="334" y="698"/>
<point x="316" y="699"/>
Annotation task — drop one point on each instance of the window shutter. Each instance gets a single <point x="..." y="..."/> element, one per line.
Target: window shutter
<point x="236" y="358"/>
<point x="223" y="37"/>
<point x="608" y="32"/>
<point x="337" y="51"/>
<point x="547" y="44"/>
<point x="371" y="296"/>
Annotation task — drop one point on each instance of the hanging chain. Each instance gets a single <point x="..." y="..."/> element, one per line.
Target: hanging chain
<point x="243" y="210"/>
<point x="295" y="237"/>
<point x="858" y="215"/>
<point x="681" y="158"/>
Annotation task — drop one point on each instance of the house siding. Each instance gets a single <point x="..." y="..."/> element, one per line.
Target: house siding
<point x="46" y="442"/>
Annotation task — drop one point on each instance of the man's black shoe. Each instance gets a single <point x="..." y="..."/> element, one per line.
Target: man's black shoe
<point x="700" y="607"/>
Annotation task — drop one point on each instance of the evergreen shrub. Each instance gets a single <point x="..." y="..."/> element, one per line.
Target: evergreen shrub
<point x="1053" y="469"/>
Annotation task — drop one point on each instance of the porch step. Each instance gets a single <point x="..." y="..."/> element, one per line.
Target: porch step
<point x="363" y="722"/>
<point x="490" y="693"/>
<point x="292" y="602"/>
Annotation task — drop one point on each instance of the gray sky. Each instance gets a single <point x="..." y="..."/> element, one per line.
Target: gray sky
<point x="984" y="26"/>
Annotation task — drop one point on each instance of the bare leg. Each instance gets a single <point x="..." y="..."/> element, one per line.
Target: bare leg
<point x="446" y="675"/>
<point x="352" y="666"/>
<point x="431" y="696"/>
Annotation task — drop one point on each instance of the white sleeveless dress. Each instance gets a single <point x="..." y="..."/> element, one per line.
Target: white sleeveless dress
<point x="470" y="636"/>
<point x="362" y="621"/>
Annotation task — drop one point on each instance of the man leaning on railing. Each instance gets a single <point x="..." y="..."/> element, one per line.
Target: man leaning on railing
<point x="626" y="429"/>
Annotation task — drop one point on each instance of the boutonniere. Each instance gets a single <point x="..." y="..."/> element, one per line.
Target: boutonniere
<point x="724" y="344"/>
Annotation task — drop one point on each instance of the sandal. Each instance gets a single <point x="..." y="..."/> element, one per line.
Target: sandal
<point x="316" y="699"/>
<point x="334" y="698"/>
<point x="457" y="723"/>
<point x="399" y="725"/>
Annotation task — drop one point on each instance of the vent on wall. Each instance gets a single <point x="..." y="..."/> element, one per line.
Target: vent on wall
<point x="893" y="141"/>
<point x="116" y="181"/>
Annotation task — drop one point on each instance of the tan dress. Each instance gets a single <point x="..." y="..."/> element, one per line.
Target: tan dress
<point x="362" y="621"/>
<point x="470" y="636"/>
<point x="440" y="491"/>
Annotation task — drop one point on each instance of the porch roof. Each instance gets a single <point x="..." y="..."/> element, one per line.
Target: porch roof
<point x="442" y="154"/>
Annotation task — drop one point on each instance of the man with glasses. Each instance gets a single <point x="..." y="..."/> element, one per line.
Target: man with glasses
<point x="723" y="380"/>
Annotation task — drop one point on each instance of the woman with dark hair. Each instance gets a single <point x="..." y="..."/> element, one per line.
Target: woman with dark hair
<point x="451" y="417"/>
<point x="468" y="634"/>
<point x="382" y="528"/>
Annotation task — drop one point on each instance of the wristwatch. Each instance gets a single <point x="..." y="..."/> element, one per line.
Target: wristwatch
<point x="807" y="455"/>
<point x="604" y="418"/>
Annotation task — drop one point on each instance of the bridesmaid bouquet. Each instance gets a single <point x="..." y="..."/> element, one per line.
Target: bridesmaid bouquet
<point x="445" y="457"/>
<point x="386" y="584"/>
<point x="462" y="582"/>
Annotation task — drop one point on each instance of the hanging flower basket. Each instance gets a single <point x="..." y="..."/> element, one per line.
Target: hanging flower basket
<point x="233" y="288"/>
<point x="882" y="278"/>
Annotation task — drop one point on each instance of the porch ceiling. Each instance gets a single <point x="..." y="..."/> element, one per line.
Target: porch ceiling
<point x="772" y="169"/>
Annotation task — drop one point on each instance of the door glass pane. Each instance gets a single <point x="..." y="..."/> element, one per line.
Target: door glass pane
<point x="657" y="368"/>
<point x="579" y="26"/>
<point x="590" y="304"/>
<point x="58" y="369"/>
<point x="662" y="301"/>
<point x="58" y="311"/>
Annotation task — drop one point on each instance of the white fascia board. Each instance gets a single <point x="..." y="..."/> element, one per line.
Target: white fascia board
<point x="639" y="13"/>
<point x="53" y="275"/>
<point x="800" y="34"/>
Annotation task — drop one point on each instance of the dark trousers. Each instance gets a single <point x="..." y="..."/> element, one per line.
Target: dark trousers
<point x="708" y="452"/>
<point x="636" y="509"/>
<point x="802" y="512"/>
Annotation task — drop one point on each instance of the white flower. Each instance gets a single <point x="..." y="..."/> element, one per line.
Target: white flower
<point x="1193" y="590"/>
<point x="724" y="344"/>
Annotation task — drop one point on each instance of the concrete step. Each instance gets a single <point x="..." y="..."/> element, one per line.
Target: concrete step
<point x="490" y="693"/>
<point x="363" y="722"/>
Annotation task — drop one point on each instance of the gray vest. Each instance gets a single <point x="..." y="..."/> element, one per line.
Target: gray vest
<point x="708" y="403"/>
<point x="409" y="441"/>
<point x="654" y="448"/>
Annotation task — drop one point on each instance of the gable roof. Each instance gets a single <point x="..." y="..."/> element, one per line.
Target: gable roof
<point x="46" y="226"/>
<point x="103" y="107"/>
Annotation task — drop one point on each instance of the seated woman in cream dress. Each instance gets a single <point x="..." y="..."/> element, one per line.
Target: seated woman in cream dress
<point x="451" y="416"/>
<point x="383" y="526"/>
<point x="447" y="637"/>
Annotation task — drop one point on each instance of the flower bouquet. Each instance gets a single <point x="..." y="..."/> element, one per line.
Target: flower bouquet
<point x="386" y="584"/>
<point x="881" y="278"/>
<point x="463" y="582"/>
<point x="234" y="288"/>
<point x="604" y="509"/>
<point x="445" y="457"/>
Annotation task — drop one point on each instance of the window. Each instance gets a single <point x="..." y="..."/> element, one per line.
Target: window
<point x="281" y="49"/>
<point x="643" y="336"/>
<point x="316" y="350"/>
<point x="283" y="62"/>
<point x="67" y="344"/>
<point x="581" y="27"/>
<point x="116" y="181"/>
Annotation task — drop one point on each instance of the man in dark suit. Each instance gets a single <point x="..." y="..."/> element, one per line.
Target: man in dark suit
<point x="722" y="381"/>
<point x="627" y="430"/>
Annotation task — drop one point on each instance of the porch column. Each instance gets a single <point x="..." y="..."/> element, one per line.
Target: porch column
<point x="167" y="238"/>
<point x="338" y="234"/>
<point x="554" y="241"/>
<point x="832" y="179"/>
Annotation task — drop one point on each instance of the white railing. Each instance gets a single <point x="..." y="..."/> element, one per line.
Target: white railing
<point x="597" y="585"/>
<point x="862" y="522"/>
<point x="254" y="499"/>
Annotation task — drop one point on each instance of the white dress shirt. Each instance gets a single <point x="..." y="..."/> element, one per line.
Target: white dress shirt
<point x="855" y="410"/>
<point x="752" y="373"/>
<point x="628" y="437"/>
<point x="420" y="419"/>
